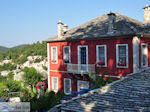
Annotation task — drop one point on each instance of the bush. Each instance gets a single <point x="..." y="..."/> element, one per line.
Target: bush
<point x="2" y="78"/>
<point x="31" y="76"/>
<point x="25" y="96"/>
<point x="3" y="91"/>
<point x="46" y="101"/>
<point x="37" y="60"/>
<point x="10" y="75"/>
<point x="9" y="86"/>
<point x="7" y="66"/>
<point x="22" y="59"/>
<point x="99" y="81"/>
<point x="13" y="86"/>
<point x="44" y="67"/>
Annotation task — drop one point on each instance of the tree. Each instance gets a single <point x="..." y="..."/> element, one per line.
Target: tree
<point x="31" y="77"/>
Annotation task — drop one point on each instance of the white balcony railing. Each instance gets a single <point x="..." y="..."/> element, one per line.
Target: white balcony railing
<point x="81" y="68"/>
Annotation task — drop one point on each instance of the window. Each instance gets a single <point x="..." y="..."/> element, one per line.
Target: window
<point x="101" y="55"/>
<point x="67" y="86"/>
<point x="55" y="84"/>
<point x="144" y="55"/>
<point x="82" y="85"/>
<point x="83" y="54"/>
<point x="122" y="55"/>
<point x="83" y="58"/>
<point x="66" y="54"/>
<point x="54" y="55"/>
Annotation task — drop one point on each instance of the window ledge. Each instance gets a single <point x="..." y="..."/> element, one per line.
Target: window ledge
<point x="122" y="66"/>
<point x="53" y="62"/>
<point x="67" y="93"/>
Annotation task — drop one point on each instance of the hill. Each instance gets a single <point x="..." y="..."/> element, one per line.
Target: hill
<point x="3" y="49"/>
<point x="19" y="54"/>
<point x="18" y="46"/>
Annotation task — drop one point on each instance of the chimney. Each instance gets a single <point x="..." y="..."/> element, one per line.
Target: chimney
<point x="111" y="20"/>
<point x="62" y="29"/>
<point x="65" y="28"/>
<point x="147" y="14"/>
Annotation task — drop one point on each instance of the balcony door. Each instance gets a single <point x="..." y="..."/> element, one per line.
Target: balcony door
<point x="82" y="58"/>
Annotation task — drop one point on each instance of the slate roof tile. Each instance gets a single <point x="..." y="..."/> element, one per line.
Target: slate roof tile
<point x="98" y="28"/>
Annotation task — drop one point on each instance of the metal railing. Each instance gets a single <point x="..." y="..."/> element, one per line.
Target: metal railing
<point x="81" y="68"/>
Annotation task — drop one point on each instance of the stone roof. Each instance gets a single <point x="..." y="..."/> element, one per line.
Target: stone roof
<point x="130" y="94"/>
<point x="98" y="28"/>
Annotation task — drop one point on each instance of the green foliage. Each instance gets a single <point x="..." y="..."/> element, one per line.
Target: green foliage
<point x="45" y="68"/>
<point x="13" y="85"/>
<point x="3" y="91"/>
<point x="19" y="55"/>
<point x="99" y="81"/>
<point x="2" y="78"/>
<point x="2" y="86"/>
<point x="7" y="66"/>
<point x="22" y="59"/>
<point x="26" y="96"/>
<point x="31" y="76"/>
<point x="37" y="60"/>
<point x="9" y="86"/>
<point x="10" y="75"/>
<point x="46" y="101"/>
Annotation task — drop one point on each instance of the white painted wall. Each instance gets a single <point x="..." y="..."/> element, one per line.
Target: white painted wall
<point x="136" y="44"/>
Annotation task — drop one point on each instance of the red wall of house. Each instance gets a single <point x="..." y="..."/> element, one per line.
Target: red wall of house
<point x="60" y="68"/>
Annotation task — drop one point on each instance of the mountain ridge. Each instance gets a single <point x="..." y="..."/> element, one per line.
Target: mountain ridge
<point x="4" y="49"/>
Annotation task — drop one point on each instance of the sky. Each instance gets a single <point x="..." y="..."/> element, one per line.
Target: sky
<point x="29" y="21"/>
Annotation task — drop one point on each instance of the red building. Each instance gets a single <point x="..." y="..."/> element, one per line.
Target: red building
<point x="119" y="44"/>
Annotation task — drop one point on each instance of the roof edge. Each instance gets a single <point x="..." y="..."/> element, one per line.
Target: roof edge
<point x="96" y="38"/>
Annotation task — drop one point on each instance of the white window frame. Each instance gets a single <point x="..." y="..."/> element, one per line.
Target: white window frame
<point x="54" y="89"/>
<point x="79" y="61"/>
<point x="65" y="86"/>
<point x="142" y="55"/>
<point x="52" y="55"/>
<point x="80" y="81"/>
<point x="86" y="53"/>
<point x="64" y="53"/>
<point x="117" y="55"/>
<point x="105" y="55"/>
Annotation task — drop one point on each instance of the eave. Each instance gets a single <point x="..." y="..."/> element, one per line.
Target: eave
<point x="96" y="38"/>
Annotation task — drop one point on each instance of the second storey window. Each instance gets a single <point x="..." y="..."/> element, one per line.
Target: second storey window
<point x="122" y="55"/>
<point x="101" y="55"/>
<point x="66" y="54"/>
<point x="54" y="55"/>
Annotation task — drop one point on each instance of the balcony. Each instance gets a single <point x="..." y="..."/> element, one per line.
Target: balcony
<point x="81" y="68"/>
